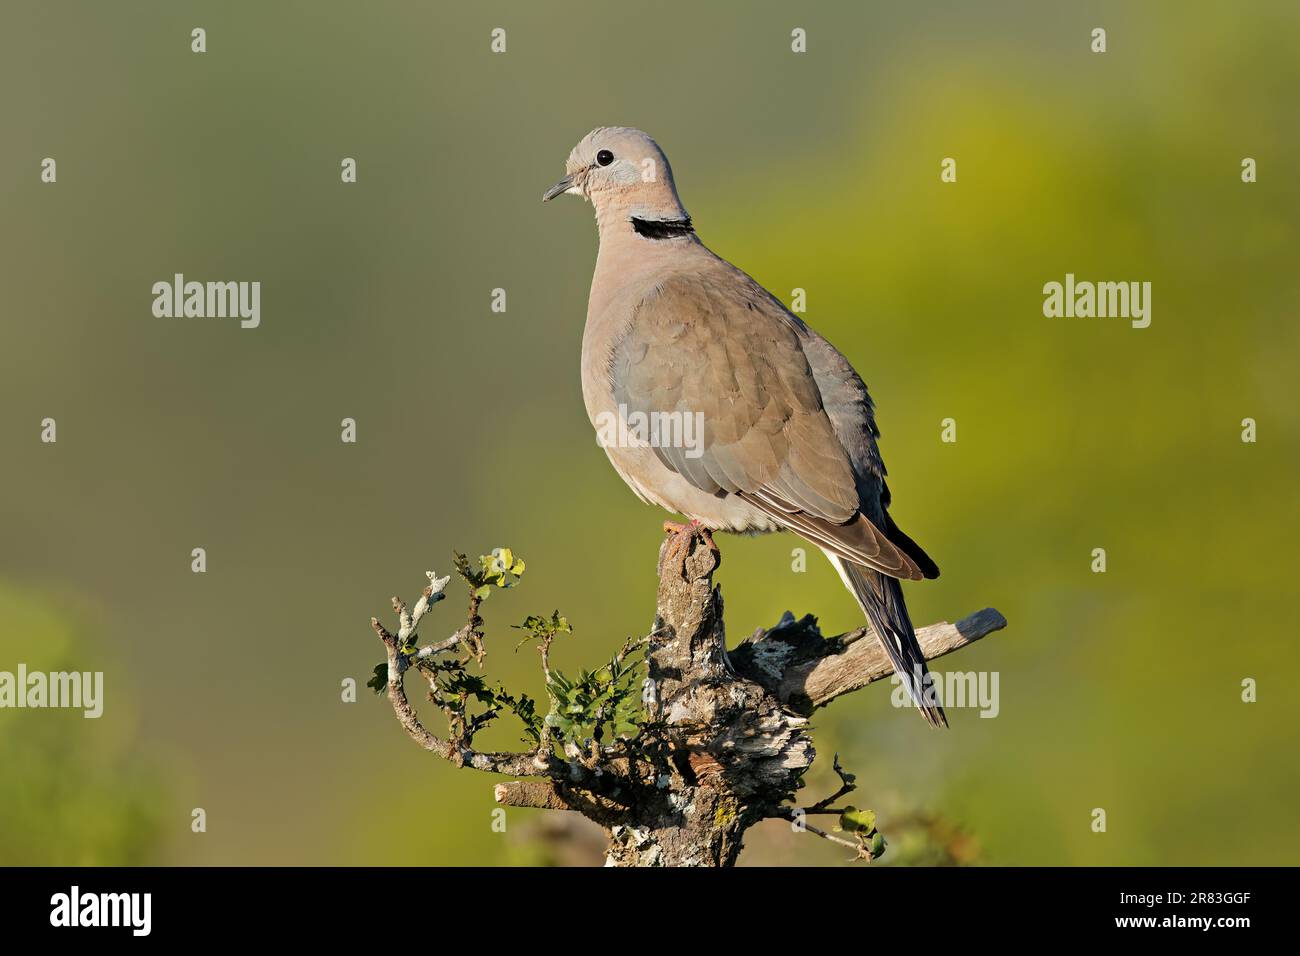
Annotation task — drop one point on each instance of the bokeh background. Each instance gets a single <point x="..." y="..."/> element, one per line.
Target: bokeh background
<point x="819" y="171"/>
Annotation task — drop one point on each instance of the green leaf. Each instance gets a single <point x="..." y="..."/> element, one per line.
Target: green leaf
<point x="502" y="567"/>
<point x="597" y="703"/>
<point x="379" y="682"/>
<point x="878" y="845"/>
<point x="857" y="821"/>
<point x="541" y="630"/>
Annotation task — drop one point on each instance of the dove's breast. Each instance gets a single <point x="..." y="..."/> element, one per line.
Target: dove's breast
<point x="628" y="440"/>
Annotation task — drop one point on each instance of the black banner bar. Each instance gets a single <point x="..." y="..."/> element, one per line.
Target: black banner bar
<point x="366" y="905"/>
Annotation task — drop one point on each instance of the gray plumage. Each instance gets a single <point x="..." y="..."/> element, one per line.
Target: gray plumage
<point x="789" y="434"/>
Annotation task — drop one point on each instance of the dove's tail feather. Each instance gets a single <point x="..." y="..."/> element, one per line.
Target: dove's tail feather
<point x="881" y="598"/>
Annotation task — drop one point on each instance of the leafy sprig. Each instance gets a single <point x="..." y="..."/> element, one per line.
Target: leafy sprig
<point x="594" y="706"/>
<point x="596" y="703"/>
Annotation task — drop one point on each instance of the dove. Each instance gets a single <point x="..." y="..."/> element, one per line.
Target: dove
<point x="788" y="439"/>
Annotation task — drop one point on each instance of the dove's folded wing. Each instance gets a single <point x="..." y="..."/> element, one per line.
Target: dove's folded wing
<point x="727" y="352"/>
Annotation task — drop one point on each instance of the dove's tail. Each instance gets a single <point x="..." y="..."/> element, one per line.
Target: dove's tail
<point x="881" y="598"/>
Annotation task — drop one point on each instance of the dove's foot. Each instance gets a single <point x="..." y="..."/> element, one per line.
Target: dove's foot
<point x="682" y="534"/>
<point x="694" y="527"/>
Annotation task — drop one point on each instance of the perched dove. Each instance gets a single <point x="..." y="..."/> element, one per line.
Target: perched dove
<point x="789" y="437"/>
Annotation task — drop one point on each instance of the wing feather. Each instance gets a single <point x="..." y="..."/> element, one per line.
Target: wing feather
<point x="725" y="350"/>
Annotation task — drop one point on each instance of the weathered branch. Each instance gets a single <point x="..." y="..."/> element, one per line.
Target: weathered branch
<point x="554" y="795"/>
<point x="852" y="663"/>
<point x="538" y="794"/>
<point x="724" y="741"/>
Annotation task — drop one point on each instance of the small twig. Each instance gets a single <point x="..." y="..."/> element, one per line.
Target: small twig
<point x="442" y="646"/>
<point x="823" y="810"/>
<point x="544" y="648"/>
<point x="473" y="630"/>
<point x="847" y="785"/>
<point x="816" y="831"/>
<point x="634" y="644"/>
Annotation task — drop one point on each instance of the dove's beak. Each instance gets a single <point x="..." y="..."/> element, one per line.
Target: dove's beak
<point x="565" y="185"/>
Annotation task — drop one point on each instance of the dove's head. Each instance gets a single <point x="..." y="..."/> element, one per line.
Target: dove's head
<point x="625" y="175"/>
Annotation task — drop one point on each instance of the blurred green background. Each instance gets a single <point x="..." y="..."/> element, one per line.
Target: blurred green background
<point x="820" y="171"/>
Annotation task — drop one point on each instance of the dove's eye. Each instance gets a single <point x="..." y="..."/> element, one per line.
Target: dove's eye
<point x="604" y="157"/>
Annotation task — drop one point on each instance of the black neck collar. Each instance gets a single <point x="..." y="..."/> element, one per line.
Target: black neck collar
<point x="663" y="228"/>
